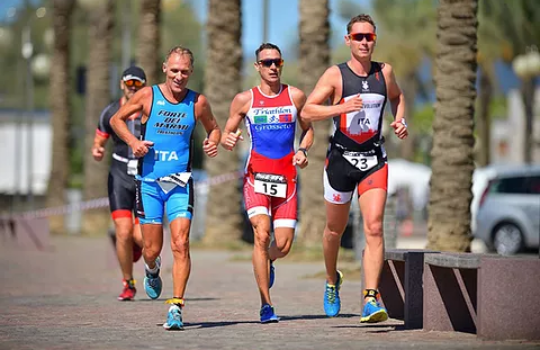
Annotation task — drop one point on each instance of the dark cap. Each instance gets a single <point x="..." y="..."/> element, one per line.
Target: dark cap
<point x="134" y="72"/>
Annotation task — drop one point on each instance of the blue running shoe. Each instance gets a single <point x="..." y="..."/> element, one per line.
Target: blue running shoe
<point x="174" y="319"/>
<point x="332" y="302"/>
<point x="268" y="315"/>
<point x="153" y="283"/>
<point x="272" y="275"/>
<point x="373" y="312"/>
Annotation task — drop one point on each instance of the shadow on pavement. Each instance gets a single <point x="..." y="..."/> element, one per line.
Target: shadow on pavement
<point x="216" y="324"/>
<point x="187" y="299"/>
<point x="376" y="328"/>
<point x="313" y="317"/>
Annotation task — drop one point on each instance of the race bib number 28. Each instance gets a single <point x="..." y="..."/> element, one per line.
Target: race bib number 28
<point x="361" y="161"/>
<point x="271" y="185"/>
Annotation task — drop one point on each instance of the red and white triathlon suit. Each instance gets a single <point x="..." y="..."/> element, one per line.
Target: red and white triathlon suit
<point x="271" y="122"/>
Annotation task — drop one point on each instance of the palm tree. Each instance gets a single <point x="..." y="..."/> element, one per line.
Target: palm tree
<point x="453" y="140"/>
<point x="98" y="96"/>
<point x="222" y="83"/>
<point x="148" y="47"/>
<point x="314" y="59"/>
<point x="61" y="109"/>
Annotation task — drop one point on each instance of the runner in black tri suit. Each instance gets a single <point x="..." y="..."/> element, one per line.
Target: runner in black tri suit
<point x="356" y="159"/>
<point x="121" y="182"/>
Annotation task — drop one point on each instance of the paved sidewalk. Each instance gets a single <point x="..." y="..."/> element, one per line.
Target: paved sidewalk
<point x="65" y="298"/>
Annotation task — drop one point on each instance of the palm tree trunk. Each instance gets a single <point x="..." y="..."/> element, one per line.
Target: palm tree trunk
<point x="98" y="96"/>
<point x="61" y="110"/>
<point x="453" y="139"/>
<point x="222" y="83"/>
<point x="527" y="91"/>
<point x="314" y="60"/>
<point x="149" y="43"/>
<point x="483" y="124"/>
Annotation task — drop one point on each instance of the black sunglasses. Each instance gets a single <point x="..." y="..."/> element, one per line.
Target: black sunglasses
<point x="360" y="36"/>
<point x="269" y="62"/>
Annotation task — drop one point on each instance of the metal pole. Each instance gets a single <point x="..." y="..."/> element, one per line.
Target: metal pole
<point x="265" y="20"/>
<point x="126" y="35"/>
<point x="27" y="52"/>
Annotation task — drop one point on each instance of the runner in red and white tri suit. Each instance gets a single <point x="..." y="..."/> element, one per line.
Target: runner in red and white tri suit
<point x="270" y="112"/>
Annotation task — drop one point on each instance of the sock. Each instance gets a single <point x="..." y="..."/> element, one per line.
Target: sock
<point x="153" y="271"/>
<point x="371" y="294"/>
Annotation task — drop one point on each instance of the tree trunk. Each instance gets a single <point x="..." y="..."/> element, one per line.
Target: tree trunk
<point x="527" y="91"/>
<point x="148" y="47"/>
<point x="222" y="82"/>
<point x="453" y="140"/>
<point x="483" y="123"/>
<point x="314" y="60"/>
<point x="98" y="96"/>
<point x="61" y="110"/>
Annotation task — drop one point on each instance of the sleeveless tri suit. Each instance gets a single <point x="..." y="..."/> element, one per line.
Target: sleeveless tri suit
<point x="270" y="176"/>
<point x="356" y="156"/>
<point x="164" y="173"/>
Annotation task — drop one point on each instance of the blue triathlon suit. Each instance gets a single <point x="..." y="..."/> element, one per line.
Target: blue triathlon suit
<point x="170" y="127"/>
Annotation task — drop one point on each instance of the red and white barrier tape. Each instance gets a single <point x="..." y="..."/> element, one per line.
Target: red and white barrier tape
<point x="104" y="201"/>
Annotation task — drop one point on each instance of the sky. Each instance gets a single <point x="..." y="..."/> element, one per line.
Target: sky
<point x="283" y="20"/>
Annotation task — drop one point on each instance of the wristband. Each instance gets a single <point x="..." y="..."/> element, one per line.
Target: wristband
<point x="304" y="150"/>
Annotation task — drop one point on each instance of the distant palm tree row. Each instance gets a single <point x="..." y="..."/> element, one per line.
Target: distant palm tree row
<point x="455" y="76"/>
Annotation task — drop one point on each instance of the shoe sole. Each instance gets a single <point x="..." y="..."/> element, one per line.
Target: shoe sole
<point x="272" y="320"/>
<point x="379" y="316"/>
<point x="126" y="299"/>
<point x="173" y="327"/>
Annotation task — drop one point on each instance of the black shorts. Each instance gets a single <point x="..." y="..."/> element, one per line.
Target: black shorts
<point x="346" y="171"/>
<point x="121" y="188"/>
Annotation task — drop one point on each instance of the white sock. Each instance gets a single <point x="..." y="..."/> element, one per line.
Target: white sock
<point x="151" y="271"/>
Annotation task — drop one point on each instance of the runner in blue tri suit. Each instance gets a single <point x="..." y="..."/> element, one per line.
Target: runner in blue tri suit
<point x="170" y="112"/>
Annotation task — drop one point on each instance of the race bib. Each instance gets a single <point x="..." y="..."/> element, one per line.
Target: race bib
<point x="167" y="183"/>
<point x="361" y="161"/>
<point x="271" y="185"/>
<point x="132" y="165"/>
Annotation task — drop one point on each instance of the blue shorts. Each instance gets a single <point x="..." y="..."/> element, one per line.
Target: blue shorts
<point x="151" y="201"/>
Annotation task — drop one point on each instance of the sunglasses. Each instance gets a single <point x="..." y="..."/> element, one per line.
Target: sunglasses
<point x="269" y="62"/>
<point x="133" y="82"/>
<point x="360" y="36"/>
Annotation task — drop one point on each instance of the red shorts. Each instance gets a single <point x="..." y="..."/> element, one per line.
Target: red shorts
<point x="284" y="211"/>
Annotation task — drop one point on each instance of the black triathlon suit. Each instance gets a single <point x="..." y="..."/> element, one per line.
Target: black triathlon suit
<point x="121" y="182"/>
<point x="357" y="135"/>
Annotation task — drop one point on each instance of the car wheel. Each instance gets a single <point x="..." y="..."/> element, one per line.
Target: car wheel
<point x="507" y="239"/>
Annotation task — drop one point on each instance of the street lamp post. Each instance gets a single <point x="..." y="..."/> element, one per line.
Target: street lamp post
<point x="527" y="67"/>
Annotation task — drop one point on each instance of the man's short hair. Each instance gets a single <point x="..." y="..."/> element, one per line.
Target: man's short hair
<point x="266" y="46"/>
<point x="181" y="50"/>
<point x="360" y="18"/>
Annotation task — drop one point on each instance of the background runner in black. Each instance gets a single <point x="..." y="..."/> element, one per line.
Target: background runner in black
<point x="121" y="181"/>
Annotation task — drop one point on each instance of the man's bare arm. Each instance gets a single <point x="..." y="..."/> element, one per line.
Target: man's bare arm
<point x="134" y="105"/>
<point x="237" y="112"/>
<point x="299" y="99"/>
<point x="203" y="112"/>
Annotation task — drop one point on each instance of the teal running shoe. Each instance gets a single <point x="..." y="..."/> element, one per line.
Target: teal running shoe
<point x="153" y="283"/>
<point x="268" y="315"/>
<point x="332" y="302"/>
<point x="272" y="275"/>
<point x="373" y="312"/>
<point x="174" y="319"/>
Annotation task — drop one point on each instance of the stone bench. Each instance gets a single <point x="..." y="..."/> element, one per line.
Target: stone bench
<point x="496" y="297"/>
<point x="401" y="285"/>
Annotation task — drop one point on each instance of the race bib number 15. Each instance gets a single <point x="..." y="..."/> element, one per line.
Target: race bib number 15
<point x="271" y="185"/>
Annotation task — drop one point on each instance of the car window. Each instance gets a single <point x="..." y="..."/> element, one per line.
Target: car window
<point x="533" y="184"/>
<point x="517" y="185"/>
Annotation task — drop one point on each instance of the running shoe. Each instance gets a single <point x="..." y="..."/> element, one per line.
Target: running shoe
<point x="129" y="290"/>
<point x="268" y="315"/>
<point x="272" y="275"/>
<point x="153" y="283"/>
<point x="373" y="312"/>
<point x="174" y="319"/>
<point x="332" y="302"/>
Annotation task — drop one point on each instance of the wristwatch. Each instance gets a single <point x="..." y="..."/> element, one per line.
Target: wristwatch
<point x="303" y="150"/>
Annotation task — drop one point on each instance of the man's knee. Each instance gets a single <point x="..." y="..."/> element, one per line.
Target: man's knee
<point x="180" y="245"/>
<point x="373" y="228"/>
<point x="284" y="246"/>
